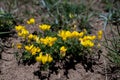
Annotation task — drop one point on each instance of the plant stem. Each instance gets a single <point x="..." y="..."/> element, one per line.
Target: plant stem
<point x="4" y="33"/>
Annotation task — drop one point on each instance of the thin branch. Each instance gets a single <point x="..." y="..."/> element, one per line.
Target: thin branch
<point x="106" y="78"/>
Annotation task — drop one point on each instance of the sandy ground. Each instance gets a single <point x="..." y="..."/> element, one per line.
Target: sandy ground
<point x="10" y="70"/>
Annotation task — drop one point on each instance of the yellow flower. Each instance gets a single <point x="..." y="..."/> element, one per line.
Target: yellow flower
<point x="81" y="34"/>
<point x="31" y="21"/>
<point x="19" y="45"/>
<point x="33" y="37"/>
<point x="39" y="58"/>
<point x="93" y="37"/>
<point x="89" y="37"/>
<point x="19" y="34"/>
<point x="30" y="36"/>
<point x="37" y="39"/>
<point x="44" y="41"/>
<point x="44" y="59"/>
<point x="75" y="34"/>
<point x="100" y="33"/>
<point x="99" y="37"/>
<point x="64" y="34"/>
<point x="68" y="34"/>
<point x="90" y="44"/>
<point x="38" y="49"/>
<point x="48" y="40"/>
<point x="28" y="48"/>
<point x="51" y="40"/>
<point x="19" y="28"/>
<point x="44" y="27"/>
<point x="86" y="43"/>
<point x="23" y="33"/>
<point x="34" y="50"/>
<point x="50" y="59"/>
<point x="63" y="50"/>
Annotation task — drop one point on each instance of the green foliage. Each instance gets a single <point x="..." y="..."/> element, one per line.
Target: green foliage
<point x="113" y="46"/>
<point x="65" y="14"/>
<point x="116" y="17"/>
<point x="112" y="18"/>
<point x="55" y="47"/>
<point x="6" y="22"/>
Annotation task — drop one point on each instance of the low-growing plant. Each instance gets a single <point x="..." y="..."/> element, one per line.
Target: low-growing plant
<point x="65" y="14"/>
<point x="49" y="47"/>
<point x="112" y="39"/>
<point x="6" y="22"/>
<point x="113" y="46"/>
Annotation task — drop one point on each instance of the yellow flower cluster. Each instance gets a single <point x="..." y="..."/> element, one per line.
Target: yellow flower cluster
<point x="22" y="32"/>
<point x="100" y="33"/>
<point x="19" y="27"/>
<point x="32" y="37"/>
<point x="87" y="41"/>
<point x="32" y="49"/>
<point x="67" y="34"/>
<point x="19" y="45"/>
<point x="48" y="40"/>
<point x="44" y="58"/>
<point x="31" y="21"/>
<point x="63" y="50"/>
<point x="44" y="27"/>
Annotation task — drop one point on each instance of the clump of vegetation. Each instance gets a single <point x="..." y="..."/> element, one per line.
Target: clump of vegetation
<point x="112" y="41"/>
<point x="65" y="14"/>
<point x="6" y="23"/>
<point x="50" y="47"/>
<point x="113" y="46"/>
